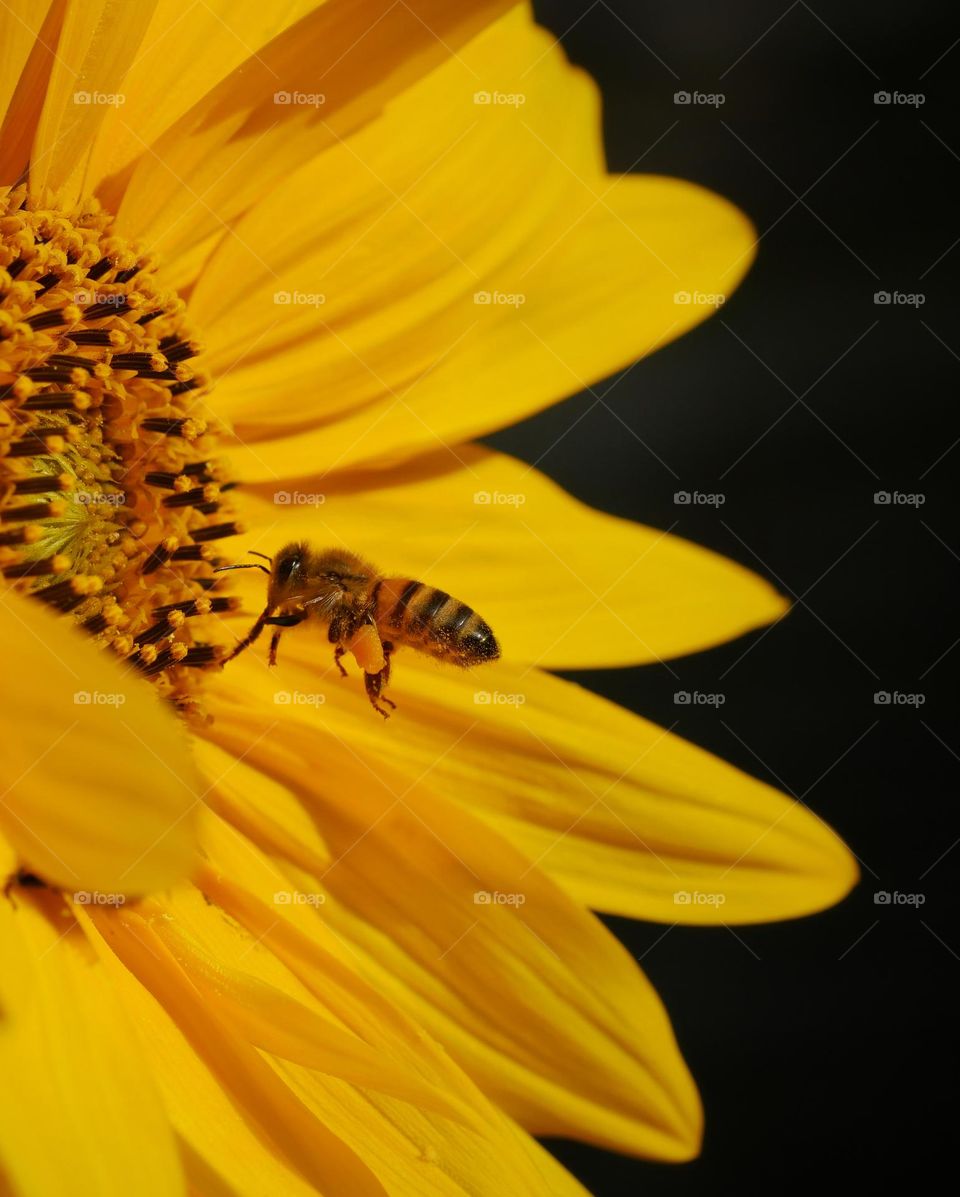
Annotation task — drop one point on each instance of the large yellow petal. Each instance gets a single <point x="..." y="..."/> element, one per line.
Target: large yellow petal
<point x="30" y="47"/>
<point x="221" y="1154"/>
<point x="273" y="1112"/>
<point x="98" y="41"/>
<point x="538" y="1002"/>
<point x="394" y="354"/>
<point x="562" y="585"/>
<point x="476" y="1152"/>
<point x="275" y="1016"/>
<point x="620" y="812"/>
<point x="481" y="1152"/>
<point x="79" y="1112"/>
<point x="20" y="23"/>
<point x="237" y="143"/>
<point x="100" y="789"/>
<point x="186" y="52"/>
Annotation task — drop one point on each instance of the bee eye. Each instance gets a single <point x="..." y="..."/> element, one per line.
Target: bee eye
<point x="286" y="568"/>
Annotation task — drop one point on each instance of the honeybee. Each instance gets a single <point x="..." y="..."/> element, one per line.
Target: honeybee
<point x="365" y="614"/>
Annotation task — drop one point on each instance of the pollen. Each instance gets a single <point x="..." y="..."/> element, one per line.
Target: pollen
<point x="112" y="501"/>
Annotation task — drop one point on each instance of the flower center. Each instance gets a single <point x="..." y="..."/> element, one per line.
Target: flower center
<point x="110" y="501"/>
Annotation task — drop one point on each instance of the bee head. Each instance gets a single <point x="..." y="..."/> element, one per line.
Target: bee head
<point x="322" y="580"/>
<point x="288" y="573"/>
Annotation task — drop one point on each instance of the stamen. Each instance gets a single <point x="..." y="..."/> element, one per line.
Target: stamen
<point x="36" y="569"/>
<point x="34" y="511"/>
<point x="40" y="442"/>
<point x="42" y="484"/>
<point x="218" y="531"/>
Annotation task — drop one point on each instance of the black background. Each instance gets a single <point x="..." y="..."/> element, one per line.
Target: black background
<point x="824" y="1047"/>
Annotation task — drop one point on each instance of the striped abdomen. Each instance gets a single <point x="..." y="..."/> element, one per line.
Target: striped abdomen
<point x="412" y="613"/>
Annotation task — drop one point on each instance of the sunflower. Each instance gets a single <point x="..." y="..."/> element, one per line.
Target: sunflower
<point x="254" y="939"/>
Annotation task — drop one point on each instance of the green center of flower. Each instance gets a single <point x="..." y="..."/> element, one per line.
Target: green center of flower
<point x="111" y="502"/>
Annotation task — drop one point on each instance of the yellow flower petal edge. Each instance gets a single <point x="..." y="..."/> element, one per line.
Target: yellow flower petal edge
<point x="160" y="87"/>
<point x="101" y="791"/>
<point x="21" y="21"/>
<point x="97" y="42"/>
<point x="534" y="998"/>
<point x="276" y="1113"/>
<point x="563" y="585"/>
<point x="623" y="814"/>
<point x="228" y="147"/>
<point x="286" y="1026"/>
<point x="500" y="298"/>
<point x="78" y="1106"/>
<point x="481" y="1152"/>
<point x="407" y="1146"/>
<point x="222" y="1151"/>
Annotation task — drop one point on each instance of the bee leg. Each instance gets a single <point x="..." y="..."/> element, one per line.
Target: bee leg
<point x="274" y="645"/>
<point x="374" y="683"/>
<point x="282" y="621"/>
<point x="337" y="654"/>
<point x="385" y="672"/>
<point x="250" y="636"/>
<point x="286" y="621"/>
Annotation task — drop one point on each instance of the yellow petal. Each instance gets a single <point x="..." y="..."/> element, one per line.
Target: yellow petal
<point x="396" y="1140"/>
<point x="623" y="814"/>
<point x="239" y="143"/>
<point x="222" y="1154"/>
<point x="29" y="60"/>
<point x="278" y="1021"/>
<point x="100" y="789"/>
<point x="264" y="1101"/>
<point x="170" y="73"/>
<point x="98" y="41"/>
<point x="561" y="584"/>
<point x="20" y="23"/>
<point x="479" y="1150"/>
<point x="79" y="1112"/>
<point x="539" y="1003"/>
<point x="396" y="354"/>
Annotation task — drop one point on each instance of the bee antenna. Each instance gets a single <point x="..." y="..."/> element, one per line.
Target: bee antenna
<point x="254" y="553"/>
<point x="251" y="565"/>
